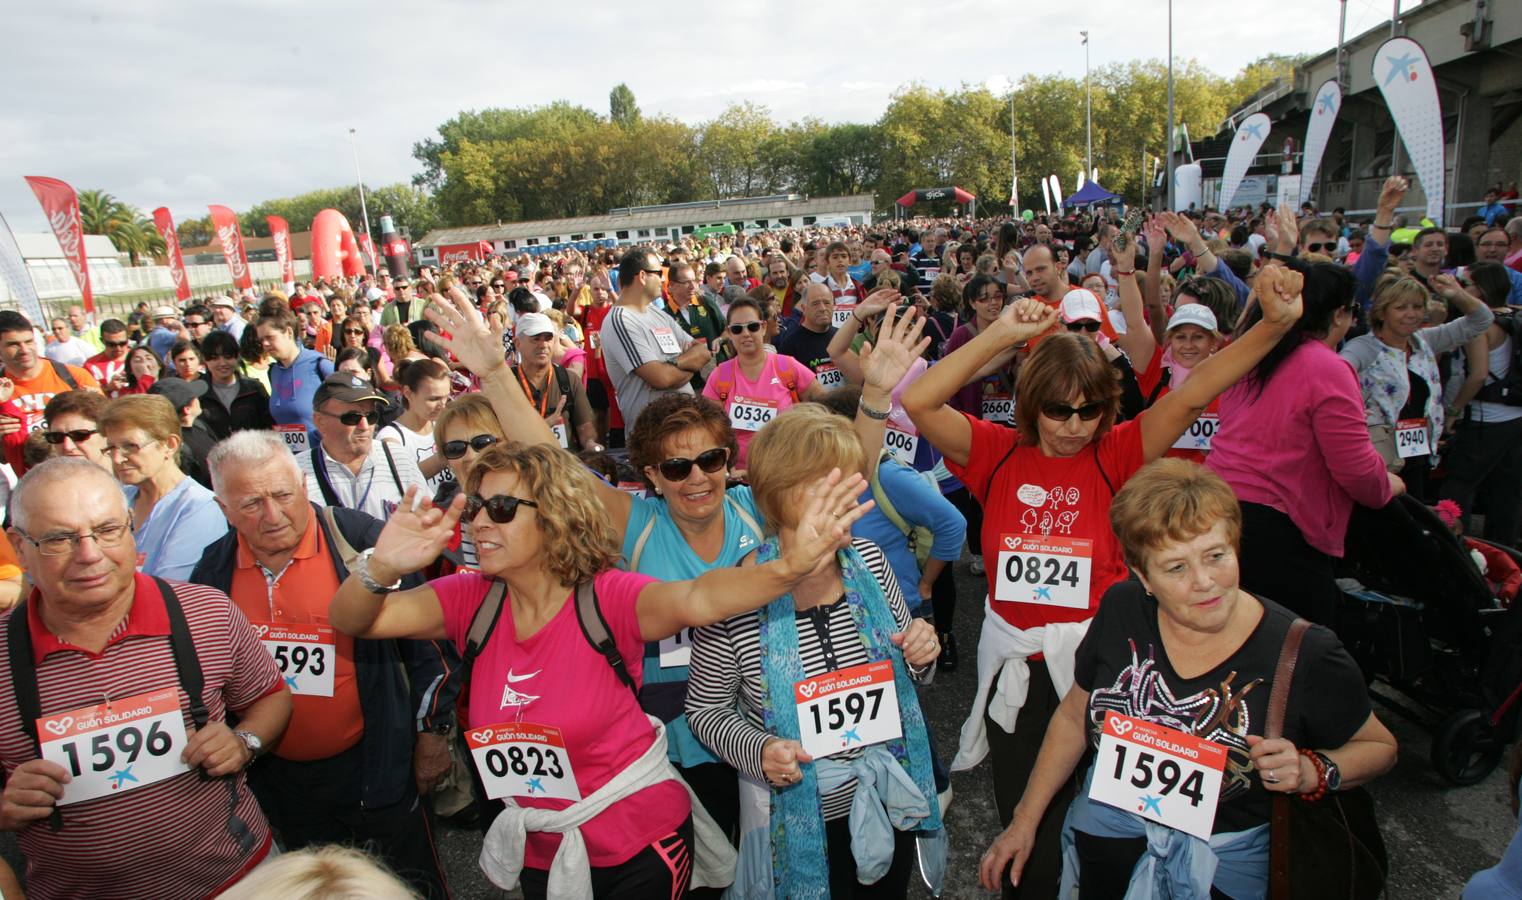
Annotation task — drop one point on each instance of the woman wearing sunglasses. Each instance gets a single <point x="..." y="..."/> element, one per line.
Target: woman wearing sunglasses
<point x="557" y="732"/>
<point x="1046" y="487"/>
<point x="232" y="401"/>
<point x="461" y="433"/>
<point x="71" y="430"/>
<point x="425" y="393"/>
<point x="755" y="386"/>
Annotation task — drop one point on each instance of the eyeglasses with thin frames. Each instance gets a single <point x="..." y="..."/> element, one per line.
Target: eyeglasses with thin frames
<point x="108" y="535"/>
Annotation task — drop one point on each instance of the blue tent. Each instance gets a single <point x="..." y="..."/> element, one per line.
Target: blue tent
<point x="1091" y="192"/>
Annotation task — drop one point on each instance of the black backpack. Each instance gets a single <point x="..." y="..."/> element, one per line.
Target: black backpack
<point x="1507" y="390"/>
<point x="588" y="614"/>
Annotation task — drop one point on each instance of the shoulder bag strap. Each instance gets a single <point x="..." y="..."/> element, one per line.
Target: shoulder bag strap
<point x="595" y="628"/>
<point x="395" y="478"/>
<point x="18" y="644"/>
<point x="186" y="664"/>
<point x="346" y="551"/>
<point x="744" y="516"/>
<point x="1279" y="819"/>
<point x="881" y="496"/>
<point x="639" y="545"/>
<point x="324" y="483"/>
<point x="482" y="626"/>
<point x="64" y="375"/>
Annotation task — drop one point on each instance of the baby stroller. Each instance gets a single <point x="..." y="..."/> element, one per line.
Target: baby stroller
<point x="1418" y="612"/>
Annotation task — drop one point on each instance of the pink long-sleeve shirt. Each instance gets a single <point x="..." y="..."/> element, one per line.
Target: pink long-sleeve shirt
<point x="1301" y="445"/>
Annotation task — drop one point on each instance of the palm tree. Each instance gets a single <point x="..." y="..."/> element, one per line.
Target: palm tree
<point x="129" y="230"/>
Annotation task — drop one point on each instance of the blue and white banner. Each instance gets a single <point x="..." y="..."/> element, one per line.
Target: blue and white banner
<point x="1404" y="75"/>
<point x="18" y="279"/>
<point x="1245" y="145"/>
<point x="1317" y="131"/>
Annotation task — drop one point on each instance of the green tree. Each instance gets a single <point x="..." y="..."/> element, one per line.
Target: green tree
<point x="729" y="150"/>
<point x="195" y="232"/>
<point x="129" y="230"/>
<point x="934" y="138"/>
<point x="622" y="109"/>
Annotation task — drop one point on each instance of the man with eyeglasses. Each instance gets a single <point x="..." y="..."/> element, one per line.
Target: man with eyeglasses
<point x="224" y="312"/>
<point x="699" y="315"/>
<point x="110" y="365"/>
<point x="1491" y="247"/>
<point x="79" y="326"/>
<point x="349" y="468"/>
<point x="646" y="351"/>
<point x="372" y="720"/>
<point x="96" y="638"/>
<point x="406" y="307"/>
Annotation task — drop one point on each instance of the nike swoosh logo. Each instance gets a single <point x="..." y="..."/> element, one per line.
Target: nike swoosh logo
<point x="514" y="679"/>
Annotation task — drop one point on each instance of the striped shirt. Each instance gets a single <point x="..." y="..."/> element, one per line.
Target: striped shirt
<point x="169" y="839"/>
<point x="726" y="667"/>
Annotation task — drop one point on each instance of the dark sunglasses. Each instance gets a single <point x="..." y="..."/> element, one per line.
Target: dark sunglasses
<point x="456" y="449"/>
<point x="1061" y="412"/>
<point x="358" y="331"/>
<point x="742" y="327"/>
<point x="501" y="508"/>
<point x="679" y="467"/>
<point x="352" y="417"/>
<point x="78" y="436"/>
<point x="1085" y="325"/>
<point x="499" y="285"/>
<point x="1319" y="245"/>
<point x="115" y="345"/>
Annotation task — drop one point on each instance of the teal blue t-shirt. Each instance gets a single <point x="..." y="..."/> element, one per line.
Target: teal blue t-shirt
<point x="667" y="556"/>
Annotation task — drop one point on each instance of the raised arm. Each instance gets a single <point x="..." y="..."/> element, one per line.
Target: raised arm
<point x="883" y="366"/>
<point x="1138" y="342"/>
<point x="1152" y="285"/>
<point x="409" y="541"/>
<point x="1456" y="333"/>
<point x="1278" y="292"/>
<point x="841" y="354"/>
<point x="926" y="400"/>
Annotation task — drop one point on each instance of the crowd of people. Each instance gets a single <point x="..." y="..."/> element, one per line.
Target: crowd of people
<point x="689" y="515"/>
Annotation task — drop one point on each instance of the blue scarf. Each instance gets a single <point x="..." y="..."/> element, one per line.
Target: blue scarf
<point x="799" y="865"/>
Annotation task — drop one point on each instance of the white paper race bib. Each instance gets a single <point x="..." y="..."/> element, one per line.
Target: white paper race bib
<point x="843" y="313"/>
<point x="829" y="377"/>
<point x="522" y="760"/>
<point x="633" y="488"/>
<point x="901" y="443"/>
<point x="1411" y="438"/>
<point x="998" y="408"/>
<point x="115" y="747"/>
<point x="562" y="434"/>
<point x="305" y="654"/>
<point x="848" y="708"/>
<point x="1159" y="773"/>
<point x="295" y="437"/>
<point x="676" y="651"/>
<point x="749" y="414"/>
<point x="665" y="340"/>
<point x="1051" y="571"/>
<point x="1199" y="434"/>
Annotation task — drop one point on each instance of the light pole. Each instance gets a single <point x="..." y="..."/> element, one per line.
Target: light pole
<point x="1168" y="177"/>
<point x="1014" y="173"/>
<point x="363" y="211"/>
<point x="1088" y="104"/>
<point x="1395" y="141"/>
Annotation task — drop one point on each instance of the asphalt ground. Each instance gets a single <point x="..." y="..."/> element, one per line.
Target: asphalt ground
<point x="1437" y="835"/>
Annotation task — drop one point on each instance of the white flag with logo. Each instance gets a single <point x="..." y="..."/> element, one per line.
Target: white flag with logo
<point x="1404" y="76"/>
<point x="1244" y="148"/>
<point x="1323" y="113"/>
<point x="17" y="278"/>
<point x="1056" y="193"/>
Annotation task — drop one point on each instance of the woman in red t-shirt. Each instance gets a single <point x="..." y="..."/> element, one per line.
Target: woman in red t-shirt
<point x="1046" y="488"/>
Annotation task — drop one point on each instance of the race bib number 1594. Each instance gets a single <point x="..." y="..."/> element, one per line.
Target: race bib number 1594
<point x="1159" y="773"/>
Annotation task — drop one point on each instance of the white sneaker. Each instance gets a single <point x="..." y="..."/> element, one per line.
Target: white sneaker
<point x="945" y="800"/>
<point x="977" y="564"/>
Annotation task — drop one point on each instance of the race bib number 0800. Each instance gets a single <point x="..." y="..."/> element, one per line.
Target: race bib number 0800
<point x="848" y="708"/>
<point x="1051" y="571"/>
<point x="115" y="747"/>
<point x="295" y="437"/>
<point x="522" y="760"/>
<point x="1159" y="773"/>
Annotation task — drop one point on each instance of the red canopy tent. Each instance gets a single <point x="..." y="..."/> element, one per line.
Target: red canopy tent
<point x="925" y="195"/>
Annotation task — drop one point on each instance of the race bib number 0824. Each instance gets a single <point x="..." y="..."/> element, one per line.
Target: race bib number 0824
<point x="1051" y="571"/>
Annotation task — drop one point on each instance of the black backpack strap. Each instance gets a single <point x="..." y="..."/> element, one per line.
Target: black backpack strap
<point x="395" y="478"/>
<point x="595" y="628"/>
<point x="63" y="373"/>
<point x="18" y="645"/>
<point x="563" y="379"/>
<point x="187" y="665"/>
<point x="1163" y="380"/>
<point x="482" y="626"/>
<point x="1102" y="473"/>
<point x="324" y="481"/>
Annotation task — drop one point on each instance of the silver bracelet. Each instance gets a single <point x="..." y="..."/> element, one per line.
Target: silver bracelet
<point x="362" y="569"/>
<point x="869" y="412"/>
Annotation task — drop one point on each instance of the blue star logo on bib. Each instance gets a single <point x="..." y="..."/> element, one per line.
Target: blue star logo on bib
<point x="1152" y="803"/>
<point x="121" y="777"/>
<point x="290" y="682"/>
<point x="848" y="737"/>
<point x="1043" y="594"/>
<point x="535" y="784"/>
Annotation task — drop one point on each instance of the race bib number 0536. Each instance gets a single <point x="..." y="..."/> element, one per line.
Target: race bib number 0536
<point x="115" y="747"/>
<point x="1159" y="773"/>
<point x="1051" y="571"/>
<point x="522" y="760"/>
<point x="848" y="708"/>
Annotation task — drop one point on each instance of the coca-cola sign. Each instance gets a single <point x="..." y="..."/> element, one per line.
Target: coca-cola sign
<point x="454" y="257"/>
<point x="61" y="206"/>
<point x="227" y="236"/>
<point x="165" y="225"/>
<point x="231" y="239"/>
<point x="280" y="235"/>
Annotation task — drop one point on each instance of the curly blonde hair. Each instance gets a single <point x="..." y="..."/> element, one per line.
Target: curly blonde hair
<point x="578" y="540"/>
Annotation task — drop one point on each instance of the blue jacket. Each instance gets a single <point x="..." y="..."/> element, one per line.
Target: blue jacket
<point x="404" y="685"/>
<point x="918" y="503"/>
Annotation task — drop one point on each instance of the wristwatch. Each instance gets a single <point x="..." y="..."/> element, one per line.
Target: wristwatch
<point x="252" y="742"/>
<point x="1333" y="774"/>
<point x="362" y="569"/>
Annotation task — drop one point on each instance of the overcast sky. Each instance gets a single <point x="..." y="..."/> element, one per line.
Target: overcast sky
<point x="185" y="104"/>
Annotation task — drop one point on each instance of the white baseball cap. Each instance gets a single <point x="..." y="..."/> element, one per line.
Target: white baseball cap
<point x="1079" y="304"/>
<point x="531" y="324"/>
<point x="1193" y="314"/>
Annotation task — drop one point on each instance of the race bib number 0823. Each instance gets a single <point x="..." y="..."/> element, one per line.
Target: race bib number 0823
<point x="522" y="760"/>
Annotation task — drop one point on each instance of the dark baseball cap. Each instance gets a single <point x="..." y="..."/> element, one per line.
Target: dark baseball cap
<point x="178" y="391"/>
<point x="345" y="387"/>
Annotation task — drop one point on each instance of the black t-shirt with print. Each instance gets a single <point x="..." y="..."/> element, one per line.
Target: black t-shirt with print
<point x="1125" y="669"/>
<point x="812" y="348"/>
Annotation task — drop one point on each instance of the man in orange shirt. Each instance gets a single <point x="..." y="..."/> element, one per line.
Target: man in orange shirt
<point x="35" y="379"/>
<point x="372" y="720"/>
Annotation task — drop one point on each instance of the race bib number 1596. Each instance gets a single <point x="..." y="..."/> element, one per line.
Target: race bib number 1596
<point x="115" y="747"/>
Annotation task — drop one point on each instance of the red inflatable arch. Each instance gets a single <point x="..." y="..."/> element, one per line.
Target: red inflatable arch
<point x="334" y="250"/>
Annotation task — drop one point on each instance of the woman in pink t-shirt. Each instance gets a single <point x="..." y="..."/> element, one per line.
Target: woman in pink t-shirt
<point x="757" y="385"/>
<point x="556" y="732"/>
